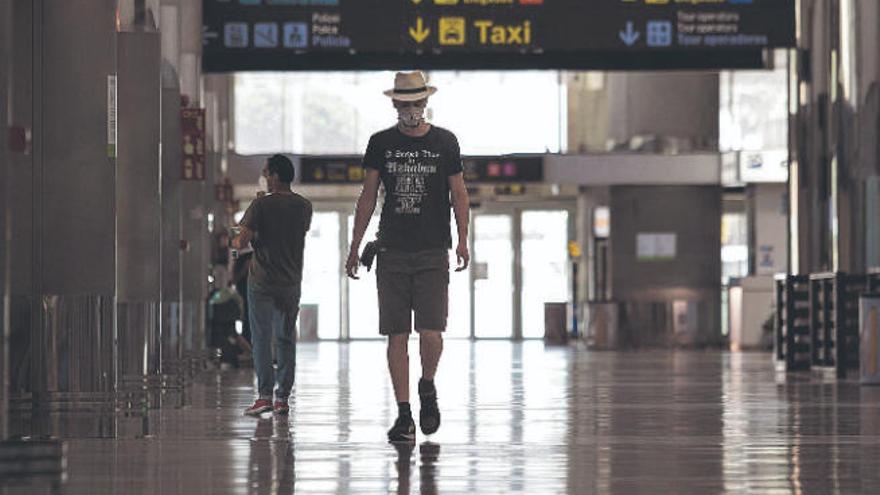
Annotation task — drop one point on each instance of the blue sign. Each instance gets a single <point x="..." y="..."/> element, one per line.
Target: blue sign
<point x="659" y="33"/>
<point x="235" y="35"/>
<point x="266" y="35"/>
<point x="296" y="35"/>
<point x="630" y="35"/>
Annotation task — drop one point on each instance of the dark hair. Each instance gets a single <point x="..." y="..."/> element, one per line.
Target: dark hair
<point x="281" y="165"/>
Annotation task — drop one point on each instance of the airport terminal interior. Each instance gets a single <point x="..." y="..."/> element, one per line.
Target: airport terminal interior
<point x="672" y="243"/>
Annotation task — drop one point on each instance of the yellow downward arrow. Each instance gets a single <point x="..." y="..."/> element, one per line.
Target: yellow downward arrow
<point x="416" y="1"/>
<point x="419" y="33"/>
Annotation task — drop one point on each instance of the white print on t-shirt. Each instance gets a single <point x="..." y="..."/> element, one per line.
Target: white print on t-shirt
<point x="411" y="170"/>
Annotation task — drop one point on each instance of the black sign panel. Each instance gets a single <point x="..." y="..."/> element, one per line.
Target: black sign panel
<point x="504" y="169"/>
<point x="331" y="170"/>
<point x="499" y="169"/>
<point x="591" y="34"/>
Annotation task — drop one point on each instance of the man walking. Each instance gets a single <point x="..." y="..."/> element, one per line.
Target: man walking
<point x="419" y="166"/>
<point x="275" y="224"/>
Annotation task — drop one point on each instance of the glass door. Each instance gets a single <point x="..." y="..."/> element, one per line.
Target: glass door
<point x="493" y="275"/>
<point x="321" y="272"/>
<point x="545" y="273"/>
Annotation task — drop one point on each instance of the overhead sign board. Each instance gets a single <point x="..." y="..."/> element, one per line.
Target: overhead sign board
<point x="504" y="169"/>
<point x="459" y="34"/>
<point x="500" y="169"/>
<point x="331" y="170"/>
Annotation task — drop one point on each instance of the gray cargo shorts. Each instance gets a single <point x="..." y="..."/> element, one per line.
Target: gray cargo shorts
<point x="412" y="282"/>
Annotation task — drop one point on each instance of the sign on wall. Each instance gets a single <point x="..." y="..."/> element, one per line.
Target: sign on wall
<point x="763" y="166"/>
<point x="460" y="34"/>
<point x="655" y="246"/>
<point x="192" y="123"/>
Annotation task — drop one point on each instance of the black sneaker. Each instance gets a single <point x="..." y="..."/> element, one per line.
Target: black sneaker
<point x="429" y="413"/>
<point x="404" y="430"/>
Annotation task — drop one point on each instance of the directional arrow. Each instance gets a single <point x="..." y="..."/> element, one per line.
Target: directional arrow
<point x="419" y="33"/>
<point x="416" y="1"/>
<point x="630" y="36"/>
<point x="208" y="35"/>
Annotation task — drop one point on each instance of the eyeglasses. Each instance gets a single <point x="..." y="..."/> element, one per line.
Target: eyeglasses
<point x="407" y="104"/>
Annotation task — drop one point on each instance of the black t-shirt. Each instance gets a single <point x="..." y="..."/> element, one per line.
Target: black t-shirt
<point x="415" y="173"/>
<point x="279" y="223"/>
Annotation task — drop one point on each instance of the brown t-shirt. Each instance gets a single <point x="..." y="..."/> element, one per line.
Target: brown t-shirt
<point x="279" y="222"/>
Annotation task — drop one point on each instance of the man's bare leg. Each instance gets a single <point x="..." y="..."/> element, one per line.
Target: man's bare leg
<point x="430" y="349"/>
<point x="398" y="365"/>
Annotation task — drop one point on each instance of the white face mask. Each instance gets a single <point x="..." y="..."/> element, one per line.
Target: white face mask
<point x="262" y="184"/>
<point x="411" y="116"/>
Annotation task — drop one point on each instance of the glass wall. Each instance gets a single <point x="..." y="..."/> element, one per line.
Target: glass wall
<point x="754" y="108"/>
<point x="335" y="113"/>
<point x="734" y="246"/>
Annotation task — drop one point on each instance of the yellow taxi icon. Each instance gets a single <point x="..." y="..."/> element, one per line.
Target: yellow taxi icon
<point x="452" y="31"/>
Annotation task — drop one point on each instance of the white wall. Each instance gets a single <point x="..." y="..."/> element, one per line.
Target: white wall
<point x="771" y="228"/>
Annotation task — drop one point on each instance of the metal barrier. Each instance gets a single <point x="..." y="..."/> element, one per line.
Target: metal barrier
<point x="834" y="320"/>
<point x="817" y="320"/>
<point x="793" y="337"/>
<point x="822" y="305"/>
<point x="874" y="281"/>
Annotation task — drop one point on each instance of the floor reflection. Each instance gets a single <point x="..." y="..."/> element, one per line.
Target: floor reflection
<point x="517" y="418"/>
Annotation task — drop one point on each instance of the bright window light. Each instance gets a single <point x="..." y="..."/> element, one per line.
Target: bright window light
<point x="335" y="113"/>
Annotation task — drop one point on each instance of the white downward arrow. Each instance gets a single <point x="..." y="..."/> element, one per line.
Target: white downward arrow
<point x="630" y="36"/>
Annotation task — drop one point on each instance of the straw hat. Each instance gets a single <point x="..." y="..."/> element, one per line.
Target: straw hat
<point x="410" y="86"/>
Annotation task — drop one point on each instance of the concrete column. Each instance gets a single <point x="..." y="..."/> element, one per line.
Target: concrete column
<point x="172" y="330"/>
<point x="20" y="200"/>
<point x="138" y="210"/>
<point x="194" y="270"/>
<point x="190" y="69"/>
<point x="811" y="150"/>
<point x="834" y="152"/>
<point x="73" y="204"/>
<point x="5" y="232"/>
<point x="681" y="108"/>
<point x="193" y="207"/>
<point x="671" y="298"/>
<point x="588" y="107"/>
<point x="858" y="112"/>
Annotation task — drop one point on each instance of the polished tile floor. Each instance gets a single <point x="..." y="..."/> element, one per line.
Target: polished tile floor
<point x="518" y="418"/>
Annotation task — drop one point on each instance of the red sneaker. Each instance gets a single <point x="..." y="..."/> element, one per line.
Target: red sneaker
<point x="281" y="407"/>
<point x="260" y="406"/>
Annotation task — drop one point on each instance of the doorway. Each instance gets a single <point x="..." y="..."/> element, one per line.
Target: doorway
<point x="519" y="261"/>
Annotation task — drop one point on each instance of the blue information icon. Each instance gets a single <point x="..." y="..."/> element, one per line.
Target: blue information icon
<point x="235" y="35"/>
<point x="296" y="35"/>
<point x="266" y="35"/>
<point x="659" y="33"/>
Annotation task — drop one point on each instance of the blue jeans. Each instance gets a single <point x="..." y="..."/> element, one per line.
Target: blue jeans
<point x="267" y="321"/>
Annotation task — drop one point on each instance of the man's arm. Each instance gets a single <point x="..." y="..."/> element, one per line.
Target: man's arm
<point x="460" y="206"/>
<point x="243" y="238"/>
<point x="246" y="226"/>
<point x="309" y="213"/>
<point x="366" y="204"/>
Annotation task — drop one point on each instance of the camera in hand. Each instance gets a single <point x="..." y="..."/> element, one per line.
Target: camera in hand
<point x="369" y="254"/>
